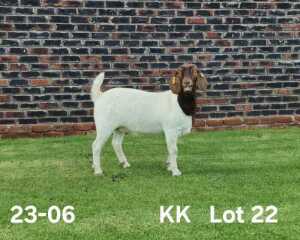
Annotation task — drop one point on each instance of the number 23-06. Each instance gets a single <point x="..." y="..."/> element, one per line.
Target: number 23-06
<point x="54" y="214"/>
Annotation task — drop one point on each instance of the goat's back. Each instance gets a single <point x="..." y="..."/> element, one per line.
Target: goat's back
<point x="137" y="110"/>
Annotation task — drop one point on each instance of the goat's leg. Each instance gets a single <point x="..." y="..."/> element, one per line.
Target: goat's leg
<point x="171" y="140"/>
<point x="168" y="161"/>
<point x="97" y="146"/>
<point x="117" y="141"/>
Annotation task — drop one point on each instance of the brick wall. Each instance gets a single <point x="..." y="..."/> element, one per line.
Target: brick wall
<point x="50" y="50"/>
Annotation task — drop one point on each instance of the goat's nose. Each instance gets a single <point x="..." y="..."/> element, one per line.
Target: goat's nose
<point x="186" y="84"/>
<point x="185" y="81"/>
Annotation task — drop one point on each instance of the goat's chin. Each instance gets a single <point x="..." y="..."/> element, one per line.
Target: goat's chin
<point x="187" y="93"/>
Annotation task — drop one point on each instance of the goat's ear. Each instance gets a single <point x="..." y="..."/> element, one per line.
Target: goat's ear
<point x="175" y="81"/>
<point x="201" y="81"/>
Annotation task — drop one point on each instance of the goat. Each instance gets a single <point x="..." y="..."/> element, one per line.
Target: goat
<point x="122" y="110"/>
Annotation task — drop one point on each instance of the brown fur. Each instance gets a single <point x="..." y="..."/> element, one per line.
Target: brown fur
<point x="196" y="78"/>
<point x="187" y="76"/>
<point x="175" y="81"/>
<point x="201" y="81"/>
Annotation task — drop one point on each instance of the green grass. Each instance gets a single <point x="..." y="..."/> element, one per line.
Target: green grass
<point x="227" y="169"/>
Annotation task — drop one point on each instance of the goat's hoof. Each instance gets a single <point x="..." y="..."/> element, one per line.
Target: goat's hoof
<point x="98" y="173"/>
<point x="126" y="165"/>
<point x="176" y="173"/>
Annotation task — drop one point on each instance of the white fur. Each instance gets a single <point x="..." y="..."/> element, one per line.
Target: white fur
<point x="122" y="110"/>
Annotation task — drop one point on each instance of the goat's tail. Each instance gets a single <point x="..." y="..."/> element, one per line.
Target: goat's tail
<point x="95" y="90"/>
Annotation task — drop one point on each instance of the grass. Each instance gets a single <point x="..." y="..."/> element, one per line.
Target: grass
<point x="226" y="169"/>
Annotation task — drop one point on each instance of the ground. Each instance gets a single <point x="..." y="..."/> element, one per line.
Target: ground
<point x="226" y="169"/>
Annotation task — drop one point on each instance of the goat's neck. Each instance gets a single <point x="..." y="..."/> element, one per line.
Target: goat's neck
<point x="187" y="103"/>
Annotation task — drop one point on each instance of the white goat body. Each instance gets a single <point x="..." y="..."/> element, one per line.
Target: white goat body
<point x="121" y="110"/>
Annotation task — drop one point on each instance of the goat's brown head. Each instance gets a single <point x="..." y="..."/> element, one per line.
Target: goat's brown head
<point x="187" y="79"/>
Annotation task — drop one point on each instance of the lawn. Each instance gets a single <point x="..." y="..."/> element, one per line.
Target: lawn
<point x="226" y="169"/>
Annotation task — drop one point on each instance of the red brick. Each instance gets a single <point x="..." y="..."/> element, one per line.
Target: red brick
<point x="165" y="72"/>
<point x="15" y="135"/>
<point x="290" y="27"/>
<point x="266" y="63"/>
<point x="48" y="59"/>
<point x="47" y="105"/>
<point x="39" y="51"/>
<point x="175" y="4"/>
<point x="43" y="27"/>
<point x="75" y="133"/>
<point x="196" y="20"/>
<point x="267" y="120"/>
<point x="233" y="121"/>
<point x="125" y="58"/>
<point x="6" y="27"/>
<point x="222" y="43"/>
<point x="83" y="126"/>
<point x="152" y="73"/>
<point x="72" y="3"/>
<point x="247" y="85"/>
<point x="219" y="101"/>
<point x="63" y="127"/>
<point x="4" y="98"/>
<point x="10" y="59"/>
<point x="41" y="128"/>
<point x="202" y="101"/>
<point x="251" y="121"/>
<point x="3" y="129"/>
<point x="214" y="122"/>
<point x="54" y="134"/>
<point x="69" y="133"/>
<point x="93" y="59"/>
<point x="18" y="67"/>
<point x="205" y="57"/>
<point x="39" y="82"/>
<point x="199" y="123"/>
<point x="266" y="5"/>
<point x="34" y="134"/>
<point x="282" y="91"/>
<point x="176" y="50"/>
<point x="3" y="82"/>
<point x="14" y="114"/>
<point x="146" y="28"/>
<point x="213" y="35"/>
<point x="284" y="119"/>
<point x="18" y="129"/>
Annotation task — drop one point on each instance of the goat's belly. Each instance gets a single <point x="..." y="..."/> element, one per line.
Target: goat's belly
<point x="142" y="127"/>
<point x="139" y="118"/>
<point x="182" y="126"/>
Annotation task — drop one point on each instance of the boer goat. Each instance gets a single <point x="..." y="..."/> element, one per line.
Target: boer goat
<point x="121" y="110"/>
